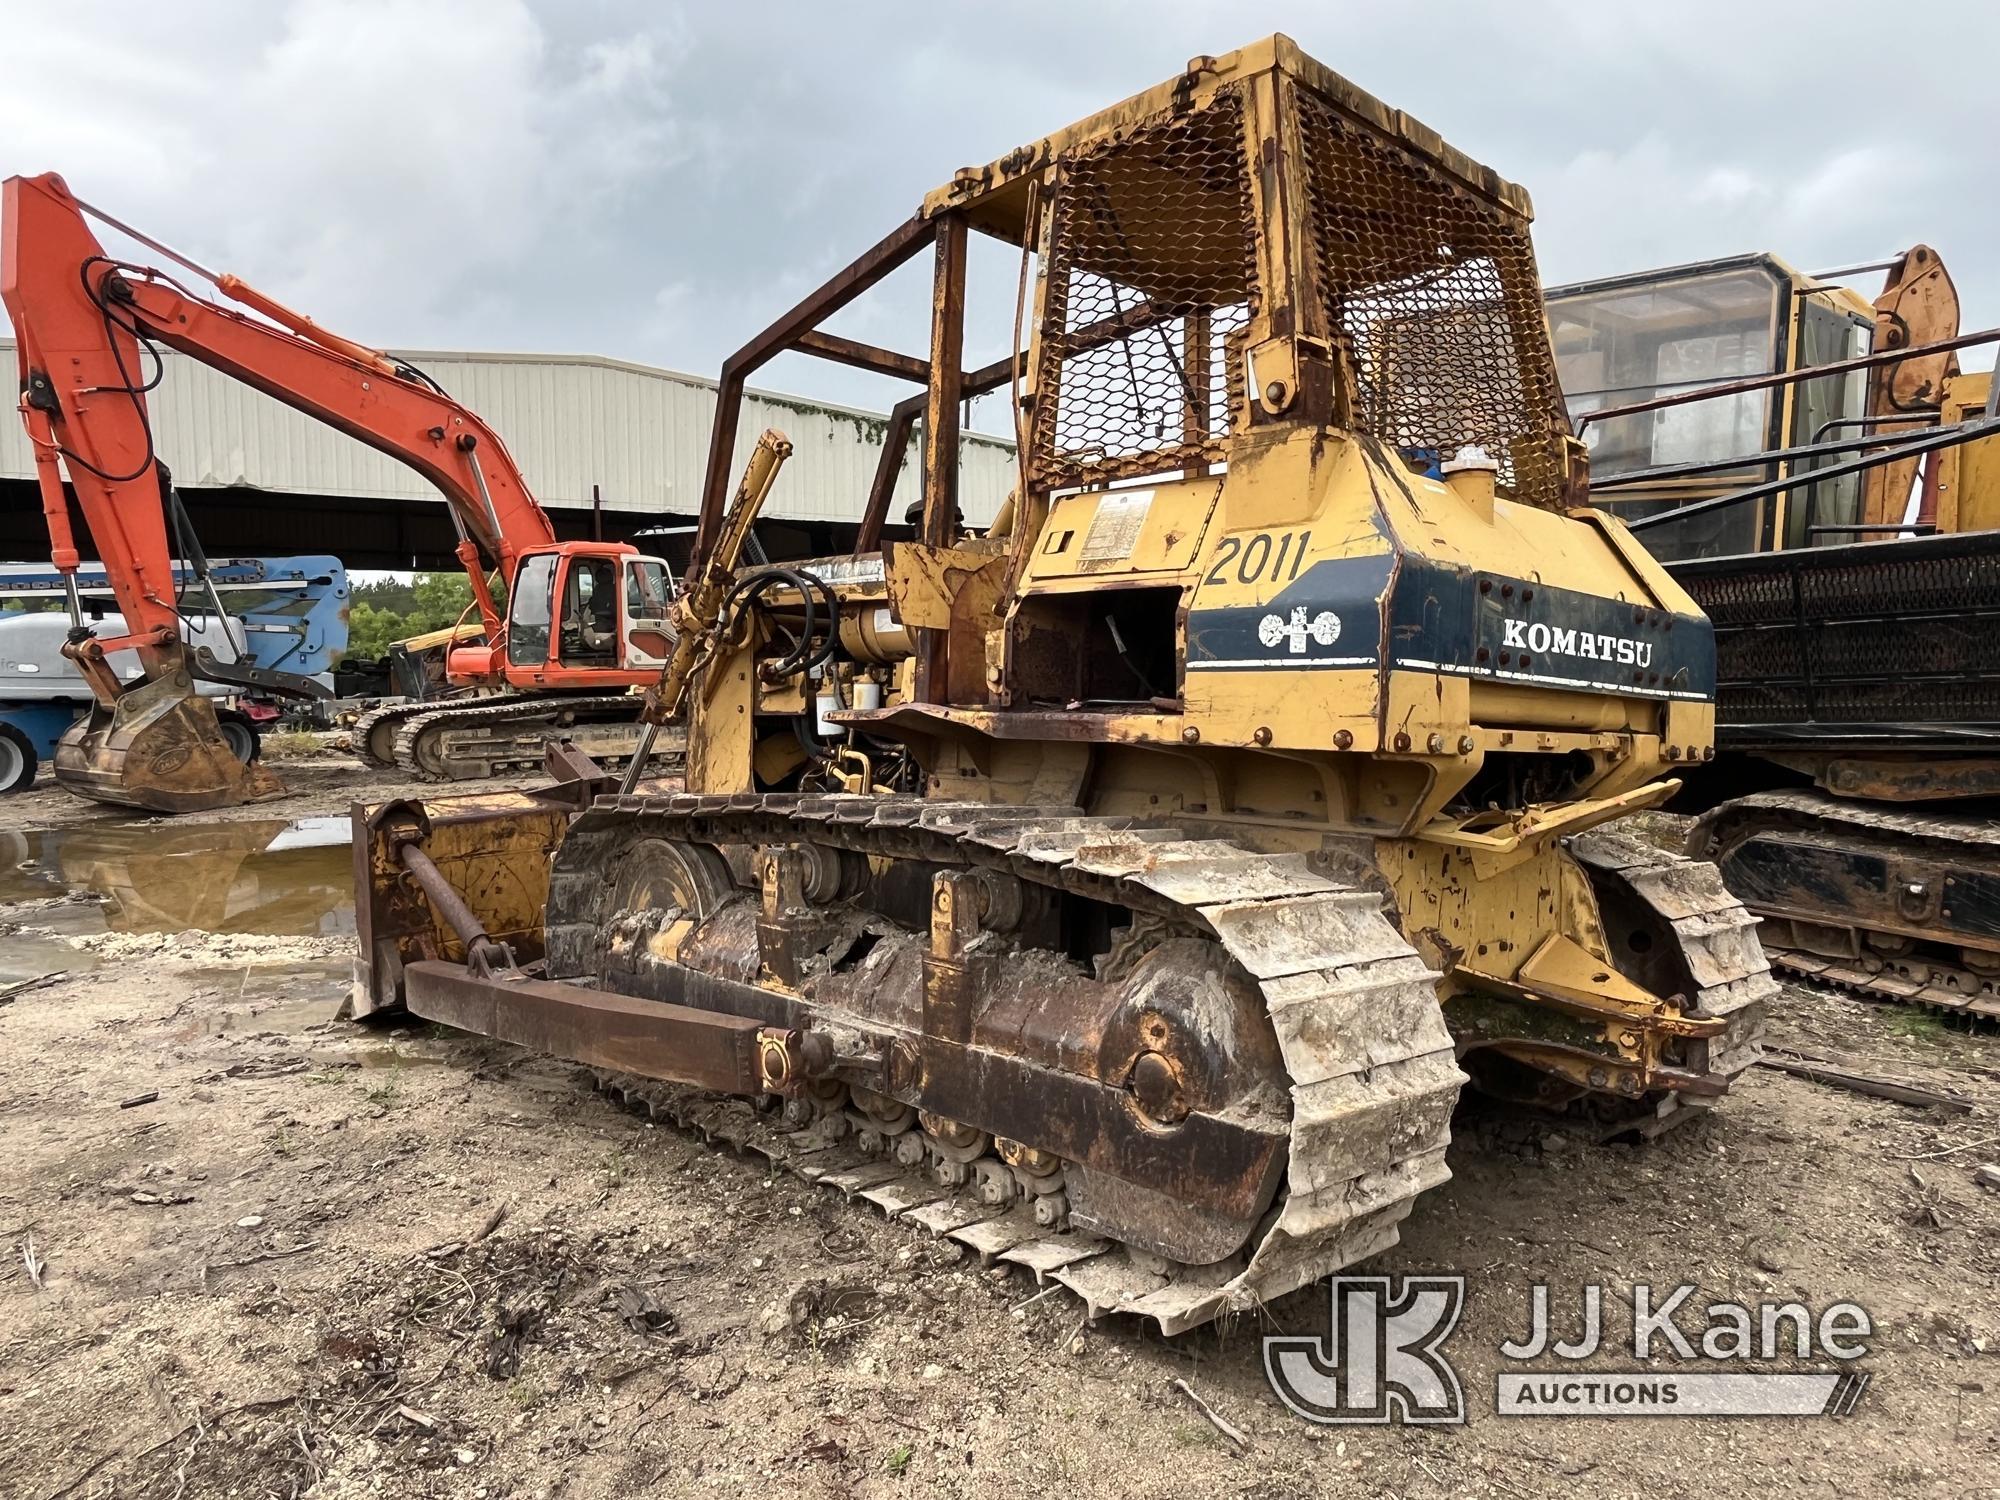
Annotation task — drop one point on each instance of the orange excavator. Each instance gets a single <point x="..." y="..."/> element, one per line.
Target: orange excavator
<point x="574" y="625"/>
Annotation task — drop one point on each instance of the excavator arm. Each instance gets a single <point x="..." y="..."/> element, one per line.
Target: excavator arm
<point x="81" y="318"/>
<point x="86" y="326"/>
<point x="1918" y="308"/>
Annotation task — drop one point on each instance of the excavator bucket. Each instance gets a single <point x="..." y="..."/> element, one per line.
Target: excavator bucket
<point x="159" y="748"/>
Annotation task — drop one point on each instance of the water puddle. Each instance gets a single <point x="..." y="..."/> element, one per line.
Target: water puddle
<point x="260" y="878"/>
<point x="30" y="957"/>
<point x="389" y="1057"/>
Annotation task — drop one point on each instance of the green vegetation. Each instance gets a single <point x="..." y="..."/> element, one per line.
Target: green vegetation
<point x="389" y="609"/>
<point x="286" y="744"/>
<point x="1918" y="1025"/>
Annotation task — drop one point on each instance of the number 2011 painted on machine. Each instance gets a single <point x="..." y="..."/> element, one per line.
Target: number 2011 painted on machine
<point x="1262" y="557"/>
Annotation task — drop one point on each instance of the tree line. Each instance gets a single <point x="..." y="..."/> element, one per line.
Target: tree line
<point x="386" y="610"/>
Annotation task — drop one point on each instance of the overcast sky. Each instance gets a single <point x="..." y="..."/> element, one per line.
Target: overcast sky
<point x="655" y="181"/>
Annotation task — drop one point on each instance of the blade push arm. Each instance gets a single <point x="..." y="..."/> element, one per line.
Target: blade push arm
<point x="81" y="317"/>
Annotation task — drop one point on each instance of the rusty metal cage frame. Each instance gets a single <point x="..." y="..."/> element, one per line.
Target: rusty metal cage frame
<point x="1286" y="108"/>
<point x="1427" y="292"/>
<point x="1261" y="333"/>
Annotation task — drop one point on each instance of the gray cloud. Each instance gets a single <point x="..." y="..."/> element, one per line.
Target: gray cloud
<point x="656" y="181"/>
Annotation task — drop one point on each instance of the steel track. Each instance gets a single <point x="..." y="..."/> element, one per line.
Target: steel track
<point x="1920" y="977"/>
<point x="1372" y="1076"/>
<point x="426" y="737"/>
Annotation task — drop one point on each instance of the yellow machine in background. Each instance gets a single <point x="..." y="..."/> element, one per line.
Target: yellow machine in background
<point x="1839" y="528"/>
<point x="1210" y="821"/>
<point x="1692" y="383"/>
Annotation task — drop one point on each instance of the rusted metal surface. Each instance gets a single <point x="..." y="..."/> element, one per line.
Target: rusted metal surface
<point x="1032" y="1057"/>
<point x="846" y="351"/>
<point x="1918" y="308"/>
<point x="1891" y="901"/>
<point x="483" y="956"/>
<point x="968" y="1029"/>
<point x="675" y="1043"/>
<point x="493" y="848"/>
<point x="1699" y="943"/>
<point x="891" y="251"/>
<point x="1148" y="227"/>
<point x="942" y="522"/>
<point x="483" y="737"/>
<point x="158" y="748"/>
<point x="888" y="470"/>
<point x="956" y="593"/>
<point x="1150" y="1081"/>
<point x="1433" y="300"/>
<point x="941" y="411"/>
<point x="896" y="444"/>
<point x="1276" y="57"/>
<point x="1079" y="726"/>
<point x="924" y="580"/>
<point x="566" y="763"/>
<point x="1562" y="973"/>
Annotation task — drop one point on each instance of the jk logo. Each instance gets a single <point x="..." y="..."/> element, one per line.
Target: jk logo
<point x="1379" y="1362"/>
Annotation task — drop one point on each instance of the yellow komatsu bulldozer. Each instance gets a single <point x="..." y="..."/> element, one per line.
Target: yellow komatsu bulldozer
<point x="1130" y="890"/>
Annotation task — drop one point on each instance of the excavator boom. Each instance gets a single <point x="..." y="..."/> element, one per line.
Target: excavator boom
<point x="88" y="326"/>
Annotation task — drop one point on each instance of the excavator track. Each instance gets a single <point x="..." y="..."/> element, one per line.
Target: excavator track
<point x="1370" y="1070"/>
<point x="374" y="733"/>
<point x="467" y="741"/>
<point x="1885" y="902"/>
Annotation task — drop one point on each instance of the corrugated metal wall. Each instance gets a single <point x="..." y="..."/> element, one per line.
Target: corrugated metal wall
<point x="570" y="421"/>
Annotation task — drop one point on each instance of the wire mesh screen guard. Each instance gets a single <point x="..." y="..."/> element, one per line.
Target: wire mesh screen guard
<point x="1433" y="297"/>
<point x="1152" y="277"/>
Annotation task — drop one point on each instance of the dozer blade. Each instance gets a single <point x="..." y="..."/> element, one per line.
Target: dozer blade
<point x="159" y="748"/>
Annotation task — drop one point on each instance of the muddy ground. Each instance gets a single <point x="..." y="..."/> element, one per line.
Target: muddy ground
<point x="324" y="781"/>
<point x="338" y="1262"/>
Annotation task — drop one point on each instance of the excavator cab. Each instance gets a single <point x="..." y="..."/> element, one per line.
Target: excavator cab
<point x="1823" y="479"/>
<point x="580" y="607"/>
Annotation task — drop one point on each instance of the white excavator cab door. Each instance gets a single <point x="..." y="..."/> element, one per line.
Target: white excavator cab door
<point x="648" y="636"/>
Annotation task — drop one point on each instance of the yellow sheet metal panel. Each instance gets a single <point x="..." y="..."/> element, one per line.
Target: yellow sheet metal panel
<point x="1149" y="529"/>
<point x="1969" y="477"/>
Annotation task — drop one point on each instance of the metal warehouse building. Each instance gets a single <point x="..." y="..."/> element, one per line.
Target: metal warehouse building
<point x="264" y="479"/>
